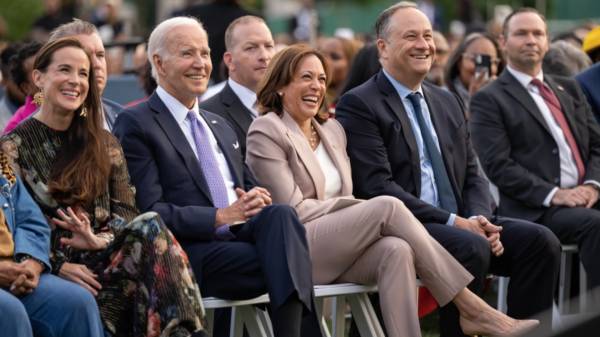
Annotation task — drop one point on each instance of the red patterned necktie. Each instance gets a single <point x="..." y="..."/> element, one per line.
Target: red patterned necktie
<point x="554" y="105"/>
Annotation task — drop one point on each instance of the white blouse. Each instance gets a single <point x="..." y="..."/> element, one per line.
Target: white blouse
<point x="333" y="180"/>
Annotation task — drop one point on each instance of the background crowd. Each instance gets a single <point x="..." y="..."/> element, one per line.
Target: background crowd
<point x="511" y="101"/>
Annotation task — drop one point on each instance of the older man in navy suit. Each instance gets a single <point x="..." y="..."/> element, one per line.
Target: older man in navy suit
<point x="410" y="140"/>
<point x="186" y="165"/>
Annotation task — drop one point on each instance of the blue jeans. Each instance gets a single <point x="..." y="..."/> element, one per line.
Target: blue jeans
<point x="56" y="308"/>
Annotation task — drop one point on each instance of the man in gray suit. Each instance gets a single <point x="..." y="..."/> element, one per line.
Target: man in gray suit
<point x="249" y="48"/>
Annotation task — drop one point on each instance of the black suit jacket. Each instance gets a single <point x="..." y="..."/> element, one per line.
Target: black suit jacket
<point x="516" y="148"/>
<point x="384" y="154"/>
<point x="167" y="174"/>
<point x="229" y="106"/>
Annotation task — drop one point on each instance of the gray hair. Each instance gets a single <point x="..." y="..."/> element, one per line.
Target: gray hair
<point x="157" y="42"/>
<point x="382" y="24"/>
<point x="75" y="27"/>
<point x="239" y="21"/>
<point x="565" y="59"/>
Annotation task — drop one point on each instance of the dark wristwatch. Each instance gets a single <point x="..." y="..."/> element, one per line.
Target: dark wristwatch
<point x="23" y="257"/>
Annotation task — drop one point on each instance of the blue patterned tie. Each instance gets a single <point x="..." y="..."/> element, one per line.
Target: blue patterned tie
<point x="442" y="182"/>
<point x="208" y="163"/>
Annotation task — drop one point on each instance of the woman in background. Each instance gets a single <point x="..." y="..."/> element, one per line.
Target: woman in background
<point x="463" y="75"/>
<point x="339" y="53"/>
<point x="21" y="67"/>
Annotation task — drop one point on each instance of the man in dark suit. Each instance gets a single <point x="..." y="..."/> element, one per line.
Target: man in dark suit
<point x="186" y="165"/>
<point x="250" y="47"/>
<point x="539" y="143"/>
<point x="409" y="139"/>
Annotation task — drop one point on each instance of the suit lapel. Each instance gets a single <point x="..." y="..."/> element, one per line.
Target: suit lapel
<point x="395" y="104"/>
<point x="225" y="147"/>
<point x="520" y="94"/>
<point x="306" y="154"/>
<point x="336" y="152"/>
<point x="444" y="138"/>
<point x="167" y="122"/>
<point x="236" y="109"/>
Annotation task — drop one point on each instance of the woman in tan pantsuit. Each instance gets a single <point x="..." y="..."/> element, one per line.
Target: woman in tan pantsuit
<point x="301" y="158"/>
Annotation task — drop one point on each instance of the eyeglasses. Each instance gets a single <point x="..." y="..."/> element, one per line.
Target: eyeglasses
<point x="473" y="57"/>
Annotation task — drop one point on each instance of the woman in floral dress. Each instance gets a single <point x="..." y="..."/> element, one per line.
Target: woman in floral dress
<point x="76" y="172"/>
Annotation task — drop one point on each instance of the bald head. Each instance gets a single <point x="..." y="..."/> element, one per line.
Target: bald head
<point x="235" y="32"/>
<point x="250" y="47"/>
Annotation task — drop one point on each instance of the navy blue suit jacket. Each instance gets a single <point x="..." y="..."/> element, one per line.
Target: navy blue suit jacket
<point x="589" y="80"/>
<point x="167" y="174"/>
<point x="385" y="158"/>
<point x="229" y="106"/>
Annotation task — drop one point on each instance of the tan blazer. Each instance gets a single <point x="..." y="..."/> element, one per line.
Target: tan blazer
<point x="280" y="157"/>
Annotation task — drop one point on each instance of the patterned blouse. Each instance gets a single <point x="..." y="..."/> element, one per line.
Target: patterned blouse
<point x="32" y="148"/>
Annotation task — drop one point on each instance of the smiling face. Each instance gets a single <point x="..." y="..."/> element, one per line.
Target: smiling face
<point x="95" y="48"/>
<point x="525" y="42"/>
<point x="184" y="69"/>
<point x="65" y="82"/>
<point x="252" y="50"/>
<point x="407" y="51"/>
<point x="303" y="96"/>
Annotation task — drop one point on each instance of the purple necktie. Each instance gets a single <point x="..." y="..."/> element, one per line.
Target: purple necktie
<point x="208" y="163"/>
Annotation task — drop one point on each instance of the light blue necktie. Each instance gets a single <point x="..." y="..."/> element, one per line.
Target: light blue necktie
<point x="442" y="182"/>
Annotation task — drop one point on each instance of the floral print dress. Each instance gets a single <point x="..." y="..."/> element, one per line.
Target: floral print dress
<point x="148" y="287"/>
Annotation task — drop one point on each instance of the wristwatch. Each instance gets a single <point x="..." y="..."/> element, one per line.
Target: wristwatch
<point x="23" y="257"/>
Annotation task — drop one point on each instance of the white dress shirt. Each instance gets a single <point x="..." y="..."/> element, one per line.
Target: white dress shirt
<point x="569" y="176"/>
<point x="247" y="96"/>
<point x="180" y="113"/>
<point x="333" y="180"/>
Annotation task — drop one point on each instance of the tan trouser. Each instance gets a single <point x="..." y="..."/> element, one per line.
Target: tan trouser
<point x="380" y="241"/>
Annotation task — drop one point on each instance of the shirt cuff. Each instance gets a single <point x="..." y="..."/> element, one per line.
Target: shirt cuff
<point x="451" y="219"/>
<point x="549" y="197"/>
<point x="592" y="182"/>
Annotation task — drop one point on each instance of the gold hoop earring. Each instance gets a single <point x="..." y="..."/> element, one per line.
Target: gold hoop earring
<point x="38" y="98"/>
<point x="83" y="112"/>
